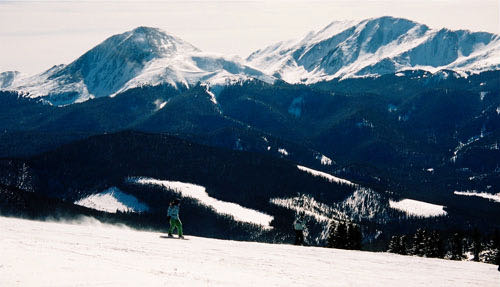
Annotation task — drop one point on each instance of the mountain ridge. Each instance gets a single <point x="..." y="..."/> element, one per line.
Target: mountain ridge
<point x="374" y="47"/>
<point x="142" y="56"/>
<point x="343" y="49"/>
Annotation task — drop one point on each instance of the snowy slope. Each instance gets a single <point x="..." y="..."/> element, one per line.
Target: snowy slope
<point x="325" y="175"/>
<point x="92" y="254"/>
<point x="238" y="212"/>
<point x="418" y="208"/>
<point x="489" y="196"/>
<point x="374" y="47"/>
<point x="143" y="56"/>
<point x="113" y="200"/>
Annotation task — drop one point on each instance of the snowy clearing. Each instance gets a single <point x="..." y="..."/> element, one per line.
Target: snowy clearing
<point x="112" y="200"/>
<point x="493" y="197"/>
<point x="92" y="254"/>
<point x="418" y="208"/>
<point x="283" y="151"/>
<point x="309" y="206"/>
<point x="325" y="175"/>
<point x="199" y="193"/>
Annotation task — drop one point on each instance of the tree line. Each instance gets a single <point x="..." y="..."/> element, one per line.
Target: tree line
<point x="456" y="245"/>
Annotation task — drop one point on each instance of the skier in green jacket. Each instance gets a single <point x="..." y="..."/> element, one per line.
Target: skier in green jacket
<point x="173" y="218"/>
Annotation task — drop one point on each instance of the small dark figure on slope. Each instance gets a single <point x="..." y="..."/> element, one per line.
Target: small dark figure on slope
<point x="299" y="225"/>
<point x="173" y="218"/>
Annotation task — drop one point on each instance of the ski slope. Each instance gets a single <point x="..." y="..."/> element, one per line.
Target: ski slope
<point x="89" y="253"/>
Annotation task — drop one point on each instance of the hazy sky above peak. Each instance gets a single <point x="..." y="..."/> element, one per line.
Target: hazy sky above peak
<point x="35" y="35"/>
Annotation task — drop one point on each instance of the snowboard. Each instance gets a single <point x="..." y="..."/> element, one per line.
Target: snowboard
<point x="175" y="237"/>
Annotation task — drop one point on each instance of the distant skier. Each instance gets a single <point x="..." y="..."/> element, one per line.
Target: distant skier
<point x="299" y="225"/>
<point x="173" y="218"/>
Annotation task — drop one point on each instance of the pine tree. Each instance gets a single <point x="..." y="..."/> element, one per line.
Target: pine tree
<point x="418" y="243"/>
<point x="435" y="245"/>
<point x="476" y="244"/>
<point x="331" y="235"/>
<point x="496" y="246"/>
<point x="403" y="245"/>
<point x="394" y="245"/>
<point x="456" y="249"/>
<point x="340" y="239"/>
<point x="354" y="237"/>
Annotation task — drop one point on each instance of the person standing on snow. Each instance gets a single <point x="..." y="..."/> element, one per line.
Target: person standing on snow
<point x="173" y="218"/>
<point x="299" y="225"/>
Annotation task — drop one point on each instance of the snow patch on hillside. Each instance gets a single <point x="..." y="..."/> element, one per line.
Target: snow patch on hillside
<point x="489" y="196"/>
<point x="462" y="145"/>
<point x="113" y="200"/>
<point x="325" y="175"/>
<point x="283" y="151"/>
<point x="324" y="160"/>
<point x="364" y="203"/>
<point x="309" y="206"/>
<point x="418" y="208"/>
<point x="160" y="104"/>
<point x="199" y="193"/>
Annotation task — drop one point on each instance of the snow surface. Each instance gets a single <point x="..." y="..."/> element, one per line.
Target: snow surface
<point x="493" y="197"/>
<point x="418" y="208"/>
<point x="93" y="254"/>
<point x="112" y="200"/>
<point x="325" y="175"/>
<point x="199" y="193"/>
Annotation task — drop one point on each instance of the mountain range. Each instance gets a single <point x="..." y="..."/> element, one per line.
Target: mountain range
<point x="149" y="56"/>
<point x="366" y="121"/>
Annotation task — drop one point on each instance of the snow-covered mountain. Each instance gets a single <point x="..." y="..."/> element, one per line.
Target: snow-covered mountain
<point x="49" y="253"/>
<point x="149" y="56"/>
<point x="377" y="46"/>
<point x="143" y="56"/>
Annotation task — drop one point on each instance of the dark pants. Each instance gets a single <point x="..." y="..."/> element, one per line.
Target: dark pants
<point x="299" y="237"/>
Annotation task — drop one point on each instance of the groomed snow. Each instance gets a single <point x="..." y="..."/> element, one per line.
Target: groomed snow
<point x="112" y="200"/>
<point x="325" y="175"/>
<point x="494" y="197"/>
<point x="199" y="193"/>
<point x="92" y="254"/>
<point x="418" y="208"/>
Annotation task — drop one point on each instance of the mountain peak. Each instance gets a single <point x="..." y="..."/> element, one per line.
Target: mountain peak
<point x="142" y="56"/>
<point x="377" y="46"/>
<point x="153" y="41"/>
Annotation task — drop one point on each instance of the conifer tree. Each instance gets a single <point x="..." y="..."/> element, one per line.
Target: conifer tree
<point x="476" y="244"/>
<point x="403" y="245"/>
<point x="340" y="238"/>
<point x="435" y="245"/>
<point x="331" y="235"/>
<point x="456" y="249"/>
<point x="354" y="237"/>
<point x="418" y="243"/>
<point x="394" y="245"/>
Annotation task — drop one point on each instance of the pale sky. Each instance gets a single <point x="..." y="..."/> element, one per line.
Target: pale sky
<point x="35" y="35"/>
